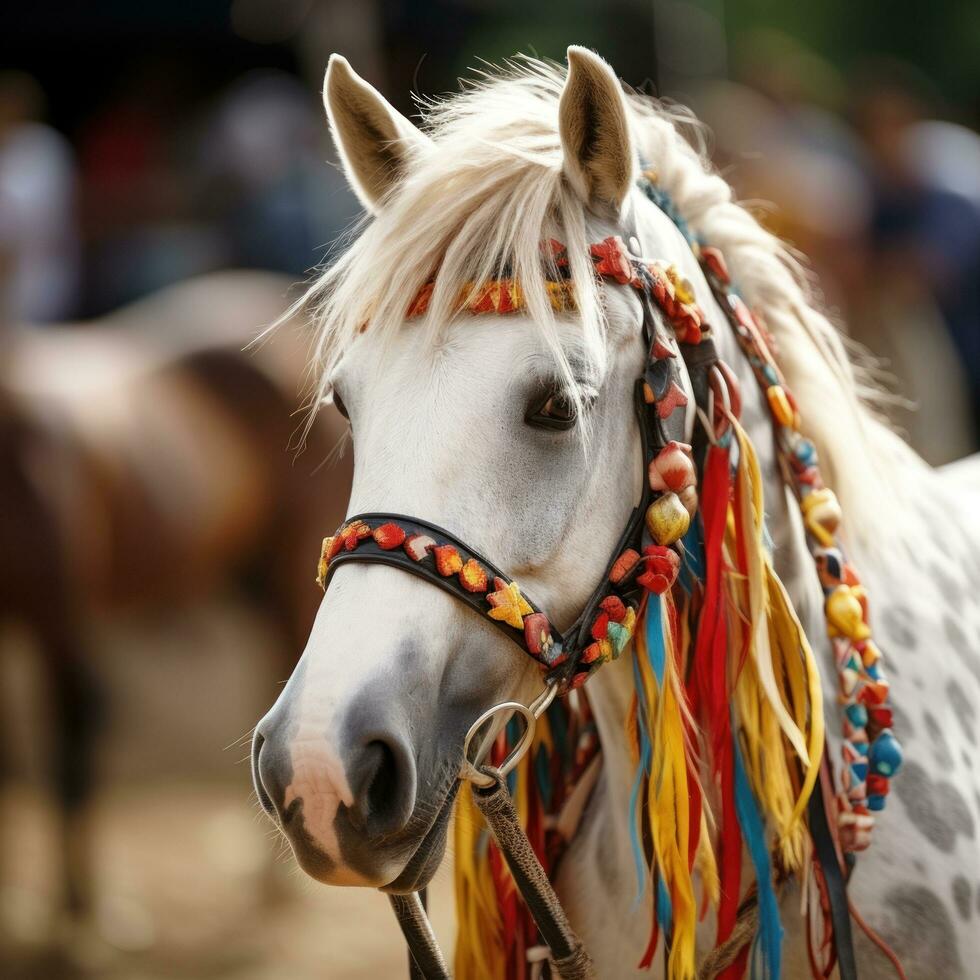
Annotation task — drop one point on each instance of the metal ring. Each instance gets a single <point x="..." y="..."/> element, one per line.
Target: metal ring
<point x="469" y="770"/>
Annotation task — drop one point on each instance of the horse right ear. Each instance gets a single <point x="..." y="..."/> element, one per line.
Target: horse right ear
<point x="374" y="140"/>
<point x="593" y="123"/>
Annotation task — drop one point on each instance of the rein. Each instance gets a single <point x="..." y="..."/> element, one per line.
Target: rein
<point x="648" y="560"/>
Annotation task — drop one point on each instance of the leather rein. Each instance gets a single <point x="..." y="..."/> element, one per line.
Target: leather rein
<point x="643" y="564"/>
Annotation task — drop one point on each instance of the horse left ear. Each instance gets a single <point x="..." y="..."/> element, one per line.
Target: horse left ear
<point x="375" y="142"/>
<point x="595" y="134"/>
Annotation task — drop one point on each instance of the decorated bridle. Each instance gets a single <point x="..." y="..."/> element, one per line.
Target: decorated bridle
<point x="648" y="559"/>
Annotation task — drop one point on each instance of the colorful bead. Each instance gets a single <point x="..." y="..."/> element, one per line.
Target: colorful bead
<point x="600" y="626"/>
<point x="417" y="546"/>
<point x="855" y="830"/>
<point x="779" y="405"/>
<point x="614" y="608"/>
<point x="672" y="468"/>
<point x="623" y="565"/>
<point x="611" y="259"/>
<point x="448" y="561"/>
<point x="672" y="398"/>
<point x="389" y="536"/>
<point x="667" y="519"/>
<point x="507" y="604"/>
<point x="822" y="515"/>
<point x="537" y="634"/>
<point x="353" y="534"/>
<point x="473" y="576"/>
<point x="845" y="613"/>
<point x="662" y="566"/>
<point x="618" y="636"/>
<point x="885" y="755"/>
<point x="830" y="566"/>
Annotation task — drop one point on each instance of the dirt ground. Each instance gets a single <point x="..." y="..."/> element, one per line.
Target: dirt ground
<point x="190" y="880"/>
<point x="186" y="889"/>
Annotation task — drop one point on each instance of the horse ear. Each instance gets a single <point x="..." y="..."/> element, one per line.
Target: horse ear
<point x="595" y="134"/>
<point x="374" y="140"/>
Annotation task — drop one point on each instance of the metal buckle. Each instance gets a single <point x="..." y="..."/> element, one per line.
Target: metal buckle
<point x="531" y="713"/>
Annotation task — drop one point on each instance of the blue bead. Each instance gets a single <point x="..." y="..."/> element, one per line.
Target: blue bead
<point x="769" y="372"/>
<point x="806" y="452"/>
<point x="876" y="802"/>
<point x="885" y="754"/>
<point x="857" y="715"/>
<point x="859" y="771"/>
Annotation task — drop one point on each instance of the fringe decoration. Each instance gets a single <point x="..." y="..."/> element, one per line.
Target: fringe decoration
<point x="670" y="790"/>
<point x="777" y="694"/>
<point x="726" y="690"/>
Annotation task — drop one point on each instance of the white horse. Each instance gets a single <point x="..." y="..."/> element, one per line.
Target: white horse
<point x="357" y="759"/>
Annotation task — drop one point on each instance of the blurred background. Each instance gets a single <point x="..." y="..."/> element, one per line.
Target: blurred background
<point x="166" y="181"/>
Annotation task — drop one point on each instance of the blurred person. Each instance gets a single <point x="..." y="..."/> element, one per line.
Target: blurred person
<point x="142" y="230"/>
<point x="924" y="232"/>
<point x="264" y="177"/>
<point x="39" y="249"/>
<point x="777" y="129"/>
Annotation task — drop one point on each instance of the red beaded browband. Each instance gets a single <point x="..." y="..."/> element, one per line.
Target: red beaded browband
<point x="611" y="261"/>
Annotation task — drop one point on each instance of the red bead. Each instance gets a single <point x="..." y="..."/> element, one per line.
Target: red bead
<point x="389" y="536"/>
<point x="600" y="626"/>
<point x="614" y="607"/>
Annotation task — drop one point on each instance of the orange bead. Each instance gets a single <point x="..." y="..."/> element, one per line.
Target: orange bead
<point x="779" y="405"/>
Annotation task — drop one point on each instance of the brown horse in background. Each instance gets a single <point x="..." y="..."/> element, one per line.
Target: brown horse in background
<point x="147" y="460"/>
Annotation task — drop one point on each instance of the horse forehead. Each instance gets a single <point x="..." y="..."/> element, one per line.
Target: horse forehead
<point x="475" y="357"/>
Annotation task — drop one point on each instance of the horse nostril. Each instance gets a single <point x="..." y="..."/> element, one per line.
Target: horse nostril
<point x="260" y="791"/>
<point x="385" y="793"/>
<point x="383" y="786"/>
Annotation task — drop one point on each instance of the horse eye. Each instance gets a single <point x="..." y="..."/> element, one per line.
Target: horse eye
<point x="557" y="411"/>
<point x="338" y="403"/>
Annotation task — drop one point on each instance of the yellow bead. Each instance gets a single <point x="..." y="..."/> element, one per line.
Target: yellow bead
<point x="845" y="615"/>
<point x="667" y="519"/>
<point x="822" y="515"/>
<point x="779" y="405"/>
<point x="323" y="564"/>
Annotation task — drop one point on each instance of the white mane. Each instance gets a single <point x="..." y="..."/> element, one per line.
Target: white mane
<point x="489" y="189"/>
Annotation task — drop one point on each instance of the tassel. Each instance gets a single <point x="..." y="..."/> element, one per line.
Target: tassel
<point x="480" y="940"/>
<point x="770" y="936"/>
<point x="749" y="511"/>
<point x="667" y="794"/>
<point x="778" y="693"/>
<point x="712" y="683"/>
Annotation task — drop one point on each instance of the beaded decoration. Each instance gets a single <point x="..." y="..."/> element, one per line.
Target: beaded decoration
<point x="871" y="753"/>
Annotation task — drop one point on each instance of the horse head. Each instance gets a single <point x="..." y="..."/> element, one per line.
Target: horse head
<point x="515" y="433"/>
